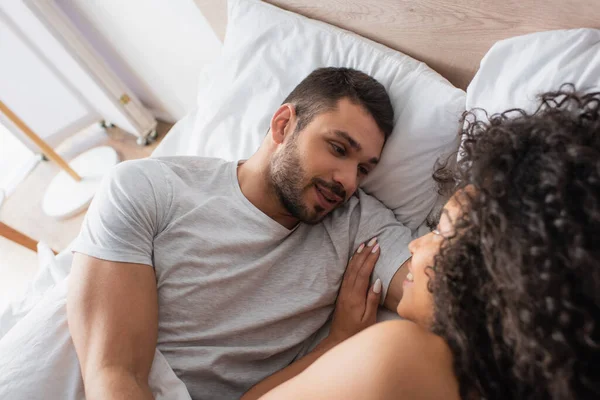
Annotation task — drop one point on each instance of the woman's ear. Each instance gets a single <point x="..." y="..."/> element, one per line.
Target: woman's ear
<point x="283" y="122"/>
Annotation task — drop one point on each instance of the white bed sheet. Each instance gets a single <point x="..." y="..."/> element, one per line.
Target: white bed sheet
<point x="38" y="356"/>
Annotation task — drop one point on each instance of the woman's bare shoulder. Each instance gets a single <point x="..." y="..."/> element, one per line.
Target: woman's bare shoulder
<point x="379" y="363"/>
<point x="405" y="335"/>
<point x="397" y="329"/>
<point x="404" y="348"/>
<point x="405" y="358"/>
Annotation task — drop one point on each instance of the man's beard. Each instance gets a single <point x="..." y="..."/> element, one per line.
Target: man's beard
<point x="287" y="175"/>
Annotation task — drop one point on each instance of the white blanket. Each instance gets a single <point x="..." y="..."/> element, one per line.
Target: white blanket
<point x="37" y="356"/>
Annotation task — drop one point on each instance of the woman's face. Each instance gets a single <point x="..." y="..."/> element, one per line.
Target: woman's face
<point x="417" y="301"/>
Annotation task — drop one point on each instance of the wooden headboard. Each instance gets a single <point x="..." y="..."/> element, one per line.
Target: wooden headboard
<point x="451" y="36"/>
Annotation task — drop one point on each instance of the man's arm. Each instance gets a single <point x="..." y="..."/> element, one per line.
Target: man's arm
<point x="396" y="288"/>
<point x="113" y="319"/>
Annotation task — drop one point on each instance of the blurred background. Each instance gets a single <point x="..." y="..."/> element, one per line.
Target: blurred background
<point x="84" y="84"/>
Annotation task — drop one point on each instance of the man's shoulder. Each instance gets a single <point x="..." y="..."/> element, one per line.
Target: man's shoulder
<point x="135" y="171"/>
<point x="360" y="206"/>
<point x="190" y="163"/>
<point x="162" y="170"/>
<point x="360" y="199"/>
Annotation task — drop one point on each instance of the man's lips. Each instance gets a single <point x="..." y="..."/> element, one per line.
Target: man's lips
<point x="323" y="202"/>
<point x="330" y="196"/>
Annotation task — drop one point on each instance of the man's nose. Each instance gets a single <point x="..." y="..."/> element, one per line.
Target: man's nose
<point x="348" y="179"/>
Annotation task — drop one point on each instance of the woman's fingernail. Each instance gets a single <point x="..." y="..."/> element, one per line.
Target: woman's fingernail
<point x="372" y="242"/>
<point x="375" y="249"/>
<point x="377" y="286"/>
<point x="360" y="248"/>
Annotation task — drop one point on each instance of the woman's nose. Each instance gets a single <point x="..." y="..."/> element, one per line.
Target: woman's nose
<point x="415" y="244"/>
<point x="412" y="246"/>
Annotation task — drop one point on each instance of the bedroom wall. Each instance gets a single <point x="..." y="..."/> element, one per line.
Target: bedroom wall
<point x="156" y="47"/>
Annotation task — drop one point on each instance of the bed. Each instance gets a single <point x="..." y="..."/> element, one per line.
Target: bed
<point x="451" y="37"/>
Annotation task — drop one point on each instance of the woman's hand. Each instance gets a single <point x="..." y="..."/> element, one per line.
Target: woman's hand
<point x="356" y="306"/>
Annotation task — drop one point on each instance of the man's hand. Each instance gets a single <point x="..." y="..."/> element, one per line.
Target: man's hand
<point x="356" y="307"/>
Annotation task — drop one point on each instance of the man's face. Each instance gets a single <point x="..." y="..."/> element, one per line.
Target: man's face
<point x="317" y="169"/>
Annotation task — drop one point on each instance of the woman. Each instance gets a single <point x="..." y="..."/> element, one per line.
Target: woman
<point x="503" y="298"/>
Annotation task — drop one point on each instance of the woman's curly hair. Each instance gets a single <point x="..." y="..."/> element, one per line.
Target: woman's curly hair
<point x="517" y="290"/>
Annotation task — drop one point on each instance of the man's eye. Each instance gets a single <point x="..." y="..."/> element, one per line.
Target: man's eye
<point x="340" y="150"/>
<point x="363" y="171"/>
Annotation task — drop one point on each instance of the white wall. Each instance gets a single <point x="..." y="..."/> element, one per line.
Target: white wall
<point x="35" y="79"/>
<point x="156" y="47"/>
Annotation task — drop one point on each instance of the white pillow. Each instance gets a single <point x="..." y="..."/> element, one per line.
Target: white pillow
<point x="268" y="51"/>
<point x="516" y="70"/>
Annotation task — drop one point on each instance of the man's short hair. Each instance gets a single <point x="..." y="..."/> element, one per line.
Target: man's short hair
<point x="321" y="90"/>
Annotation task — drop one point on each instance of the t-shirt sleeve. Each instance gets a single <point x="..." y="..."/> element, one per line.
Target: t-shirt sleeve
<point x="373" y="219"/>
<point x="126" y="213"/>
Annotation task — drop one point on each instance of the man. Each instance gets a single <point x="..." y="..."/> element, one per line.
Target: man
<point x="229" y="268"/>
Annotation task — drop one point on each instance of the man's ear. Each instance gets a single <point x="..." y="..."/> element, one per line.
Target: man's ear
<point x="283" y="122"/>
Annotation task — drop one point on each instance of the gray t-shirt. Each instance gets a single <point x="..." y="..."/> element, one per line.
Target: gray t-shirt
<point x="239" y="294"/>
